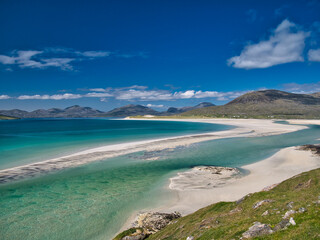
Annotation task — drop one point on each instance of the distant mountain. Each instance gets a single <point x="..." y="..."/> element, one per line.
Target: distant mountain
<point x="130" y="110"/>
<point x="269" y="96"/>
<point x="173" y="110"/>
<point x="317" y="94"/>
<point x="265" y="104"/>
<point x="69" y="112"/>
<point x="81" y="112"/>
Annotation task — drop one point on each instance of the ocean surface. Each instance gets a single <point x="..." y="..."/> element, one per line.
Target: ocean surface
<point x="93" y="201"/>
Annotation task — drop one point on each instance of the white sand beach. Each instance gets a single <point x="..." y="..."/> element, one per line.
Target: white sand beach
<point x="284" y="164"/>
<point x="243" y="128"/>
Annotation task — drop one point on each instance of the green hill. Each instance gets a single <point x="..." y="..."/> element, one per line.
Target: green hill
<point x="299" y="196"/>
<point x="3" y="117"/>
<point x="265" y="104"/>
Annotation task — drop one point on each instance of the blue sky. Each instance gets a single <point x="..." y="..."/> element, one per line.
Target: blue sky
<point x="106" y="54"/>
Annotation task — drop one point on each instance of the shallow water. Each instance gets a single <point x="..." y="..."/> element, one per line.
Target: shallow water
<point x="30" y="140"/>
<point x="94" y="200"/>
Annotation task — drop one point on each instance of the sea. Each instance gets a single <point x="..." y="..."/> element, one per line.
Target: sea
<point x="94" y="200"/>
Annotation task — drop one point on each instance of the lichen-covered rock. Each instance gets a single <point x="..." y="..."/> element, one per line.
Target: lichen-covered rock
<point x="140" y="236"/>
<point x="260" y="203"/>
<point x="281" y="225"/>
<point x="288" y="214"/>
<point x="302" y="210"/>
<point x="290" y="205"/>
<point x="265" y="213"/>
<point x="292" y="222"/>
<point x="152" y="222"/>
<point x="258" y="229"/>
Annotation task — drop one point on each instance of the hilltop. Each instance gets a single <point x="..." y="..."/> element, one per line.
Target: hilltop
<point x="77" y="111"/>
<point x="265" y="104"/>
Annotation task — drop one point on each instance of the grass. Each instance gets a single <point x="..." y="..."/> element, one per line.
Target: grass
<point x="278" y="109"/>
<point x="3" y="117"/>
<point x="228" y="220"/>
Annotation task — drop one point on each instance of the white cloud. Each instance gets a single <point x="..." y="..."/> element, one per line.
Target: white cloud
<point x="285" y="45"/>
<point x="155" y="106"/>
<point x="4" y="97"/>
<point x="314" y="55"/>
<point x="99" y="95"/>
<point x="302" y="88"/>
<point x="94" y="53"/>
<point x="97" y="89"/>
<point x="50" y="97"/>
<point x="139" y="94"/>
<point x="53" y="57"/>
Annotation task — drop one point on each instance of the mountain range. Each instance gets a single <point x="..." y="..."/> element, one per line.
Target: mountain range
<point x="256" y="104"/>
<point x="77" y="111"/>
<point x="265" y="104"/>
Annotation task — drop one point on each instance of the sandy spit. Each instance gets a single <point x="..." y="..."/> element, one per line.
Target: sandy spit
<point x="244" y="128"/>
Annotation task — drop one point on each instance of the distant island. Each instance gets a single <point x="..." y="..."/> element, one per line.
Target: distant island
<point x="267" y="104"/>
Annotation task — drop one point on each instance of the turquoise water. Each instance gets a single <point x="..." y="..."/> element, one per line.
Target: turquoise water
<point x="31" y="140"/>
<point x="94" y="200"/>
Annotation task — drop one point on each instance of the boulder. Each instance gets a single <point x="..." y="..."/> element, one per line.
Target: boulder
<point x="258" y="229"/>
<point x="288" y="214"/>
<point x="152" y="222"/>
<point x="140" y="236"/>
<point x="260" y="203"/>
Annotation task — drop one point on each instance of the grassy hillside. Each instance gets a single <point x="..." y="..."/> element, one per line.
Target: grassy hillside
<point x="229" y="220"/>
<point x="265" y="104"/>
<point x="3" y="117"/>
<point x="275" y="109"/>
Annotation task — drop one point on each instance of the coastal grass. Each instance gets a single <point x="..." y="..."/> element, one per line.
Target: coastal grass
<point x="3" y="117"/>
<point x="278" y="109"/>
<point x="229" y="220"/>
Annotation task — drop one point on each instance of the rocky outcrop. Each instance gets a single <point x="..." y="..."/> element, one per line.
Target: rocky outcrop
<point x="258" y="229"/>
<point x="315" y="148"/>
<point x="152" y="222"/>
<point x="260" y="203"/>
<point x="147" y="224"/>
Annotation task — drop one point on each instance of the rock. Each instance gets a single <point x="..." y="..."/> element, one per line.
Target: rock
<point x="258" y="229"/>
<point x="265" y="213"/>
<point x="268" y="188"/>
<point x="152" y="222"/>
<point x="303" y="185"/>
<point x="190" y="238"/>
<point x="292" y="222"/>
<point x="290" y="205"/>
<point x="259" y="204"/>
<point x="282" y="225"/>
<point x="302" y="210"/>
<point x="140" y="236"/>
<point x="243" y="198"/>
<point x="288" y="214"/>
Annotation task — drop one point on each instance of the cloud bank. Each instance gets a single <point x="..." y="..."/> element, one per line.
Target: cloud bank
<point x="134" y="93"/>
<point x="61" y="58"/>
<point x="285" y="45"/>
<point x="314" y="55"/>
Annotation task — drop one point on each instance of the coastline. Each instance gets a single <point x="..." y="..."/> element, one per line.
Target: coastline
<point x="243" y="128"/>
<point x="284" y="164"/>
<point x="262" y="176"/>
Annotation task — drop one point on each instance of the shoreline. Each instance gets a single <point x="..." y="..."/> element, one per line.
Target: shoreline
<point x="283" y="165"/>
<point x="243" y="128"/>
<point x="189" y="196"/>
